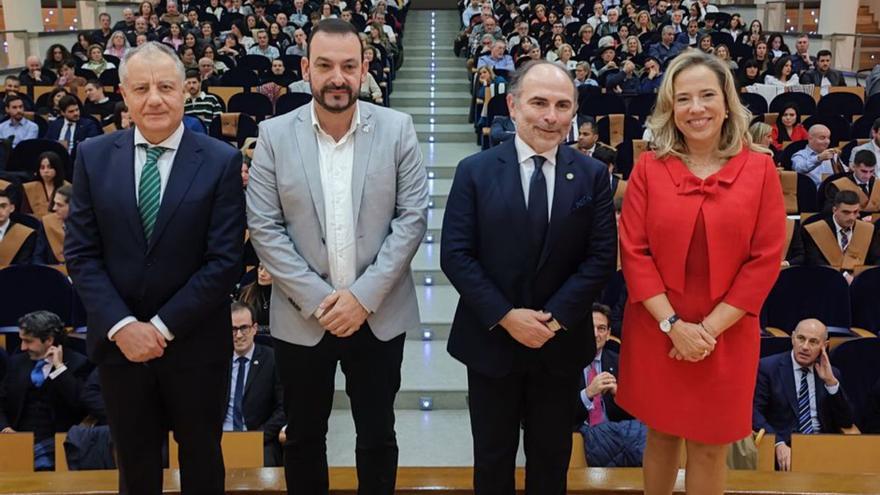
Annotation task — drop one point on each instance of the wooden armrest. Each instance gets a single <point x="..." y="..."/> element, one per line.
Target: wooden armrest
<point x="852" y="430"/>
<point x="861" y="332"/>
<point x="487" y="131"/>
<point x="760" y="436"/>
<point x="776" y="332"/>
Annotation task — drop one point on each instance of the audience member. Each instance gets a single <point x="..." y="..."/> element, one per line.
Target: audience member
<point x="822" y="75"/>
<point x="198" y="103"/>
<point x="17" y="241"/>
<point x="497" y="58"/>
<point x="762" y="134"/>
<point x="49" y="177"/>
<point x="34" y="73"/>
<point x="802" y="60"/>
<point x="782" y="74"/>
<point x="97" y="63"/>
<point x="588" y="136"/>
<point x="41" y="390"/>
<point x="263" y="47"/>
<point x="788" y="127"/>
<point x="258" y="295"/>
<point x="17" y="128"/>
<point x="49" y="249"/>
<point x="860" y="179"/>
<point x="608" y="156"/>
<point x="839" y="239"/>
<point x="817" y="159"/>
<point x="873" y="145"/>
<point x="667" y="48"/>
<point x="101" y="35"/>
<point x="97" y="103"/>
<point x="71" y="130"/>
<point x="802" y="377"/>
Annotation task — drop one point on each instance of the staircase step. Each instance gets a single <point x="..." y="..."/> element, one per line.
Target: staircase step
<point x="425" y="84"/>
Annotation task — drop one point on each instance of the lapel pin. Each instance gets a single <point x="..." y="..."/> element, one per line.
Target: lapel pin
<point x="366" y="127"/>
<point x="256" y="362"/>
<point x="569" y="176"/>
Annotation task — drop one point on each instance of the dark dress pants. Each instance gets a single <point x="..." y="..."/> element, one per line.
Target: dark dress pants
<point x="534" y="399"/>
<point x="146" y="400"/>
<point x="372" y="379"/>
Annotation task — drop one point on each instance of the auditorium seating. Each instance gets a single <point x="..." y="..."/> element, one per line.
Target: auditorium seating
<point x="857" y="360"/>
<point x="16" y="453"/>
<point x="808" y="292"/>
<point x="838" y="454"/>
<point x="241" y="449"/>
<point x="26" y="288"/>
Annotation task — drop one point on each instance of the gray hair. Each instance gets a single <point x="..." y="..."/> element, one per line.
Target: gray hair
<point x="150" y="49"/>
<point x="668" y="29"/>
<point x="516" y="81"/>
<point x="42" y="325"/>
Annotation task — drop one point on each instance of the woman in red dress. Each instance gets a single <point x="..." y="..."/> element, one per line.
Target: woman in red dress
<point x="701" y="237"/>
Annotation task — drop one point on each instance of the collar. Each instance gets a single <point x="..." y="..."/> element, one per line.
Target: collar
<point x="5" y="226"/>
<point x="103" y="100"/>
<point x="355" y="122"/>
<point x="797" y="366"/>
<point x="172" y="142"/>
<point x="249" y="354"/>
<point x="199" y="96"/>
<point x="598" y="355"/>
<point x="17" y="123"/>
<point x="70" y="122"/>
<point x="525" y="152"/>
<point x="838" y="227"/>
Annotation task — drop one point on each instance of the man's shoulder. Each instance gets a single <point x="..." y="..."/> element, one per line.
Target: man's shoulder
<point x="767" y="364"/>
<point x="99" y="142"/>
<point x="385" y="115"/>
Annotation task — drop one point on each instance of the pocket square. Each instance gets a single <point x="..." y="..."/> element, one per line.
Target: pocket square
<point x="583" y="201"/>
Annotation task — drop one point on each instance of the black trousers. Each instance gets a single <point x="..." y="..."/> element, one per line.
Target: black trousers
<point x="541" y="402"/>
<point x="372" y="379"/>
<point x="146" y="400"/>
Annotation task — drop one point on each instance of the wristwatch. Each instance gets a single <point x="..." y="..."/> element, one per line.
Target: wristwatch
<point x="666" y="325"/>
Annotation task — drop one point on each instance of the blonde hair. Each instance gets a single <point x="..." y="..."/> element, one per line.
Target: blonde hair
<point x="668" y="139"/>
<point x="759" y="132"/>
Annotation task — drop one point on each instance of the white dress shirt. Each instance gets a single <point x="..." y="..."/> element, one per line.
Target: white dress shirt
<point x="164" y="163"/>
<point x="67" y="124"/>
<point x="4" y="228"/>
<point x="236" y="369"/>
<point x="336" y="162"/>
<point x="811" y="386"/>
<point x="49" y="373"/>
<point x="525" y="155"/>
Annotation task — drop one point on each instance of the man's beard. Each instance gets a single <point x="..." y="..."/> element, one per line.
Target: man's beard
<point x="322" y="98"/>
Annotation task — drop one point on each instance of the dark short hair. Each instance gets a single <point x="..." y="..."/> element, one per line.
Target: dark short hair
<point x="604" y="309"/>
<point x="42" y="325"/>
<point x="846" y="198"/>
<point x="13" y="98"/>
<point x="588" y="120"/>
<point x="866" y="158"/>
<point x="67" y="101"/>
<point x="333" y="26"/>
<point x="70" y="63"/>
<point x="12" y="77"/>
<point x="243" y="306"/>
<point x="96" y="83"/>
<point x="605" y="154"/>
<point x="4" y="193"/>
<point x="823" y="53"/>
<point x="192" y="74"/>
<point x="876" y="125"/>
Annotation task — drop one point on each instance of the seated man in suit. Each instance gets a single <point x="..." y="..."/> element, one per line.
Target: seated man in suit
<point x="49" y="248"/>
<point x="587" y="137"/>
<point x="42" y="387"/>
<point x="16" y="240"/>
<point x="598" y="384"/>
<point x="823" y="76"/>
<point x="817" y="159"/>
<point x="860" y="180"/>
<point x="71" y="130"/>
<point x="800" y="392"/>
<point x="255" y="394"/>
<point x="503" y="128"/>
<point x="873" y="145"/>
<point x="97" y="103"/>
<point x="608" y="156"/>
<point x="840" y="240"/>
<point x="794" y="245"/>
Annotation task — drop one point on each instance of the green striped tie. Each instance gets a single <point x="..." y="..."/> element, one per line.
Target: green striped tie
<point x="150" y="189"/>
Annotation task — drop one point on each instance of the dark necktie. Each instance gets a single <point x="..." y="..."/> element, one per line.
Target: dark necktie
<point x="538" y="205"/>
<point x="68" y="137"/>
<point x="844" y="239"/>
<point x="805" y="419"/>
<point x="865" y="189"/>
<point x="37" y="377"/>
<point x="238" y="395"/>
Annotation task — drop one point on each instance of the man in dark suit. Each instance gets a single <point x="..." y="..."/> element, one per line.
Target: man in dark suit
<point x="42" y="387"/>
<point x="839" y="239"/>
<point x="71" y="130"/>
<point x="17" y="240"/>
<point x="822" y="71"/>
<point x="598" y="381"/>
<point x="861" y="180"/>
<point x="154" y="246"/>
<point x="529" y="240"/>
<point x="255" y="400"/>
<point x="800" y="392"/>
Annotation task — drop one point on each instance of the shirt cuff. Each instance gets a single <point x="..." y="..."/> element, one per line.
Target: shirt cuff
<point x="588" y="404"/>
<point x="57" y="371"/>
<point x="160" y="325"/>
<point x="117" y="327"/>
<point x="833" y="389"/>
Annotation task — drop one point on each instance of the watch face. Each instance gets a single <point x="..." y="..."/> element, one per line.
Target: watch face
<point x="665" y="326"/>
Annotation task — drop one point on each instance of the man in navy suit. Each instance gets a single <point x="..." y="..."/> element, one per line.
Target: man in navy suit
<point x="71" y="129"/>
<point x="529" y="240"/>
<point x="800" y="392"/>
<point x="154" y="245"/>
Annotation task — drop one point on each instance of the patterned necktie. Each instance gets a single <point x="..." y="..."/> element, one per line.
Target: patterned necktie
<point x="238" y="396"/>
<point x="597" y="415"/>
<point x="68" y="137"/>
<point x="150" y="189"/>
<point x="844" y="239"/>
<point x="538" y="205"/>
<point x="805" y="419"/>
<point x="37" y="377"/>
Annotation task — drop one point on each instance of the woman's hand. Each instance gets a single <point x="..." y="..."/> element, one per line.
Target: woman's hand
<point x="691" y="342"/>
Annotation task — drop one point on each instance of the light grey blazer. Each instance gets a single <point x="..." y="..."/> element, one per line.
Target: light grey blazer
<point x="285" y="210"/>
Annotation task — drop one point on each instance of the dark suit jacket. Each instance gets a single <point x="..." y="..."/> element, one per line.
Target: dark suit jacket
<point x="263" y="401"/>
<point x="814" y="257"/>
<point x="871" y="415"/>
<point x="485" y="254"/>
<point x="775" y="405"/>
<point x="831" y="190"/>
<point x="614" y="412"/>
<point x="795" y="254"/>
<point x="64" y="391"/>
<point x="85" y="128"/>
<point x="25" y="253"/>
<point x="184" y="272"/>
<point x="814" y="77"/>
<point x="503" y="129"/>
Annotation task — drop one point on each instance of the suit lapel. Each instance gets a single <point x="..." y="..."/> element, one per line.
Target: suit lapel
<point x="186" y="165"/>
<point x="123" y="160"/>
<point x="254" y="367"/>
<point x="511" y="188"/>
<point x="363" y="144"/>
<point x="788" y="384"/>
<point x="563" y="195"/>
<point x="307" y="143"/>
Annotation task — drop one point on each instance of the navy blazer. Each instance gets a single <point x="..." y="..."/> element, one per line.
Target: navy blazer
<point x="775" y="406"/>
<point x="184" y="273"/>
<point x="613" y="412"/>
<point x="85" y="128"/>
<point x="485" y="254"/>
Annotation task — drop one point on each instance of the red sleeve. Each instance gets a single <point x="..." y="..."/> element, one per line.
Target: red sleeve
<point x="774" y="138"/>
<point x="758" y="274"/>
<point x="800" y="133"/>
<point x="643" y="281"/>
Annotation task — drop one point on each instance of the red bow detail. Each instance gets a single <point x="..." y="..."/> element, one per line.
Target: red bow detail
<point x="691" y="184"/>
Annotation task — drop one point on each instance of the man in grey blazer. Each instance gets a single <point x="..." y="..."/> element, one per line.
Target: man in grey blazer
<point x="337" y="206"/>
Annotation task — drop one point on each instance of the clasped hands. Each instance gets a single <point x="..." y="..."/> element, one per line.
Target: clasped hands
<point x="691" y="341"/>
<point x="140" y="341"/>
<point x="528" y="327"/>
<point x="341" y="314"/>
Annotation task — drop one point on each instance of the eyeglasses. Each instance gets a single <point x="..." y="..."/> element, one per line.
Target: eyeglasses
<point x="241" y="328"/>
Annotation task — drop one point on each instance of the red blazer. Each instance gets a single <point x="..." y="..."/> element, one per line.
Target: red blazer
<point x="745" y="228"/>
<point x="798" y="134"/>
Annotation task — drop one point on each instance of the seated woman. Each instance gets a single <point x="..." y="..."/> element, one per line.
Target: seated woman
<point x="370" y="90"/>
<point x="749" y="74"/>
<point x="788" y="127"/>
<point x="97" y="63"/>
<point x="50" y="240"/>
<point x="38" y="193"/>
<point x="782" y="74"/>
<point x="259" y="294"/>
